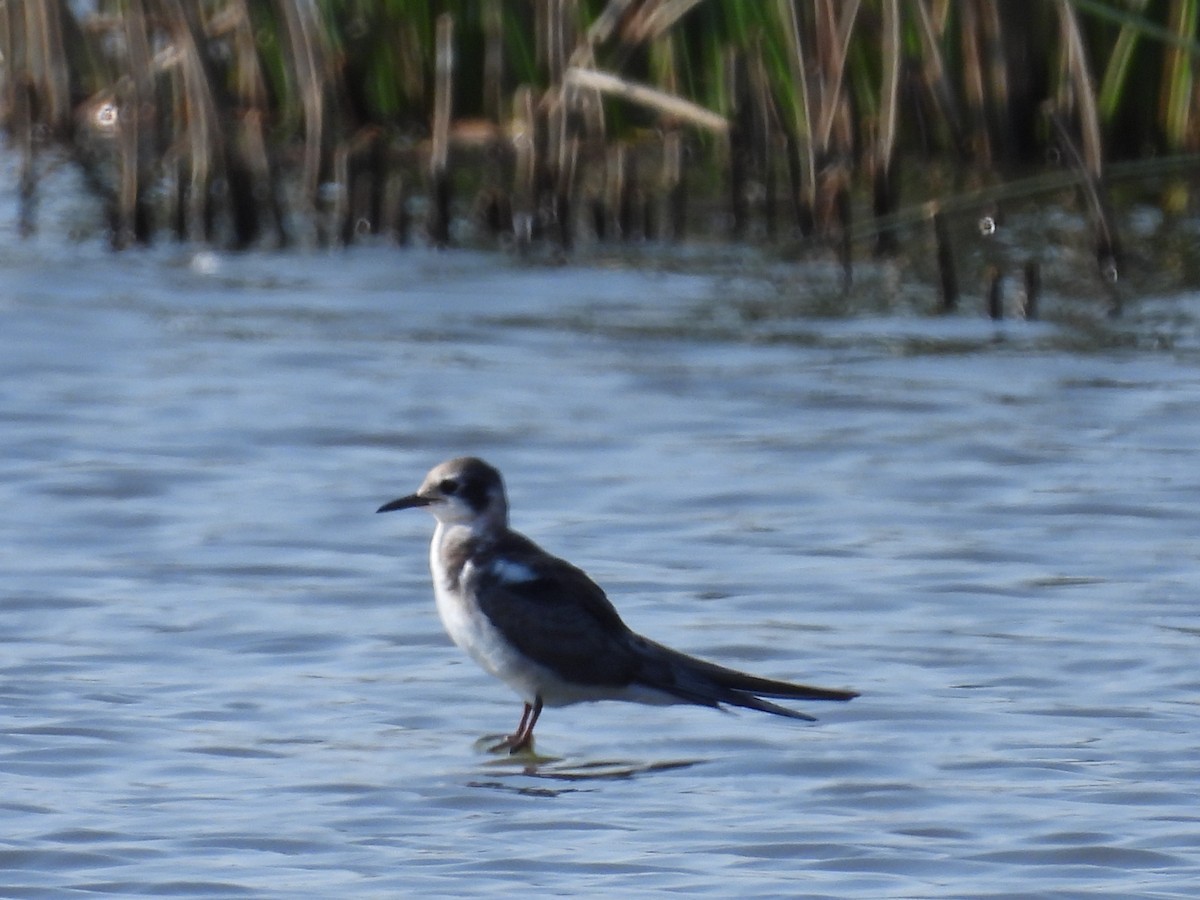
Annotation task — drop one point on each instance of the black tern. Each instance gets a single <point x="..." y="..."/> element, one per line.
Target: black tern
<point x="544" y="628"/>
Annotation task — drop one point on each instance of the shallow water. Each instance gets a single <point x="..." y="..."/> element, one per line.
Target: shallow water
<point x="223" y="674"/>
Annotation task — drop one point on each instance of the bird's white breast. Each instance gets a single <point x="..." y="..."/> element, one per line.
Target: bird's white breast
<point x="471" y="629"/>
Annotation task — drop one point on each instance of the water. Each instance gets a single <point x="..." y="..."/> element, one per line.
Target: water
<point x="222" y="674"/>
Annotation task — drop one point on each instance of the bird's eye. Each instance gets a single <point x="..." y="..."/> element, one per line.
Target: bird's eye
<point x="447" y="485"/>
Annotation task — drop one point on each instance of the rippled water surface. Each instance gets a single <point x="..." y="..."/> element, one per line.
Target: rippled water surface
<point x="222" y="673"/>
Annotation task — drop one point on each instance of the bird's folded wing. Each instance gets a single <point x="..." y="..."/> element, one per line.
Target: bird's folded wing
<point x="561" y="619"/>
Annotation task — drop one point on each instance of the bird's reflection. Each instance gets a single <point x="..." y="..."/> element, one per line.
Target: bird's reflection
<point x="510" y="770"/>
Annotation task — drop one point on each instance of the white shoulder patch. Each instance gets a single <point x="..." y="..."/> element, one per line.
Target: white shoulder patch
<point x="511" y="572"/>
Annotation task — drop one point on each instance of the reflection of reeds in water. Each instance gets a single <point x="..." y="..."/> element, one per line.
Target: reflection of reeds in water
<point x="246" y="123"/>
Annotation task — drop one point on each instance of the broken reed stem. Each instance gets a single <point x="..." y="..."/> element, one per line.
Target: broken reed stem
<point x="643" y="95"/>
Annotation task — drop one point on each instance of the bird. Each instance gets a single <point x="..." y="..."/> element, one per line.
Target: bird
<point x="546" y="629"/>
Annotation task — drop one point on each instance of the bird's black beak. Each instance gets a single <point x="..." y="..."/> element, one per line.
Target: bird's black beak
<point x="412" y="501"/>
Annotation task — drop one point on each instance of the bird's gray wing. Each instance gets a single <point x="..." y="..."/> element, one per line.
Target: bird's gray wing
<point x="554" y="614"/>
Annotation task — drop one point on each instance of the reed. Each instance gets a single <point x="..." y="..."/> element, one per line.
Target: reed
<point x="243" y="123"/>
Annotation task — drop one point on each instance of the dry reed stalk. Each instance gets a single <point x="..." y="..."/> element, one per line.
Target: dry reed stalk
<point x="443" y="97"/>
<point x="261" y="179"/>
<point x="833" y="42"/>
<point x="356" y="208"/>
<point x="563" y="148"/>
<point x="134" y="113"/>
<point x="643" y="95"/>
<point x="801" y="149"/>
<point x="1081" y="92"/>
<point x="762" y="126"/>
<point x="845" y="244"/>
<point x="620" y="211"/>
<point x="974" y="86"/>
<point x="308" y="54"/>
<point x="885" y="186"/>
<point x="832" y="135"/>
<point x="738" y="141"/>
<point x="995" y="293"/>
<point x="35" y="92"/>
<point x="339" y="207"/>
<point x="394" y="218"/>
<point x="125" y="230"/>
<point x="1033" y="289"/>
<point x="996" y="75"/>
<point x="940" y="14"/>
<point x="1179" y="99"/>
<point x="20" y="116"/>
<point x="522" y="133"/>
<point x="252" y="194"/>
<point x="197" y="111"/>
<point x="674" y="187"/>
<point x="947" y="274"/>
<point x="558" y="159"/>
<point x="46" y="62"/>
<point x="1077" y="93"/>
<point x="493" y="60"/>
<point x="933" y="69"/>
<point x="651" y="19"/>
<point x="9" y="50"/>
<point x="559" y="35"/>
<point x="605" y="24"/>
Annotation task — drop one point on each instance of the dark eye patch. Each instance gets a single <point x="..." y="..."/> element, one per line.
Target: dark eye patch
<point x="448" y="486"/>
<point x="474" y="492"/>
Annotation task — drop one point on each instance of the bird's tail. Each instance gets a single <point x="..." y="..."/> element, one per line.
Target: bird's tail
<point x="693" y="680"/>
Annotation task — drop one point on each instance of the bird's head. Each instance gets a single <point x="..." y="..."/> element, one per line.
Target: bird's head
<point x="462" y="491"/>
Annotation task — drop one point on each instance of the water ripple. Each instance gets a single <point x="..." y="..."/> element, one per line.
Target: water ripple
<point x="223" y="675"/>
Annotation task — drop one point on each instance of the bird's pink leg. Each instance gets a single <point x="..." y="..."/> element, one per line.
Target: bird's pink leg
<point x="522" y="738"/>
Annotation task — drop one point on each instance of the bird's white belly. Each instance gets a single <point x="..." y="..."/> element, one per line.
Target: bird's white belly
<point x="472" y="631"/>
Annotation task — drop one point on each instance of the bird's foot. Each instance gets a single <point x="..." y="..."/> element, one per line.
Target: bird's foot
<point x="513" y="743"/>
<point x="521" y="740"/>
